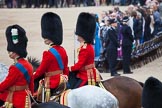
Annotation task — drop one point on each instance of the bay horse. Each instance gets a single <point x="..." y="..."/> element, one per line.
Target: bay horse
<point x="128" y="91"/>
<point x="83" y="97"/>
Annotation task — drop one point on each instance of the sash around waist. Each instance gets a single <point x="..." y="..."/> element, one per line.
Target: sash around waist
<point x="53" y="73"/>
<point x="90" y="66"/>
<point x="18" y="88"/>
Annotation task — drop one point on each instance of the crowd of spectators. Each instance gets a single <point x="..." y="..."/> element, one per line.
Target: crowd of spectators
<point x="65" y="3"/>
<point x="144" y="21"/>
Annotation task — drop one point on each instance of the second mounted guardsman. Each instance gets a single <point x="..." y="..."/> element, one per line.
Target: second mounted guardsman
<point x="84" y="68"/>
<point x="17" y="87"/>
<point x="55" y="60"/>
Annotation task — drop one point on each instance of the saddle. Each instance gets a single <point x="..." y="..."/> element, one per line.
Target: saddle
<point x="50" y="94"/>
<point x="60" y="96"/>
<point x="63" y="97"/>
<point x="56" y="93"/>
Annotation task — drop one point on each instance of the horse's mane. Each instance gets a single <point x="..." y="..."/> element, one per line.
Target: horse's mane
<point x="34" y="62"/>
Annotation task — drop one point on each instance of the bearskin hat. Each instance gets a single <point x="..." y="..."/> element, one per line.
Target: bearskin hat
<point x="85" y="27"/>
<point x="152" y="93"/>
<point x="51" y="26"/>
<point x="16" y="40"/>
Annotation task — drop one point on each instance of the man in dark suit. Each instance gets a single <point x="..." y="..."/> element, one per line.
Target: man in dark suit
<point x="112" y="45"/>
<point x="126" y="45"/>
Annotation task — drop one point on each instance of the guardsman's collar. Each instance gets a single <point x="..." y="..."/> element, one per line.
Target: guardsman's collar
<point x="16" y="59"/>
<point x="82" y="43"/>
<point x="51" y="44"/>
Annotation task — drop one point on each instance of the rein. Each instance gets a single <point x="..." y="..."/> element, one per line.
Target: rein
<point x="101" y="85"/>
<point x="31" y="96"/>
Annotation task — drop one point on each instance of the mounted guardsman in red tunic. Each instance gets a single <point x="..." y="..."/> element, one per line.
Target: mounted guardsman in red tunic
<point x="84" y="69"/>
<point x="55" y="60"/>
<point x="16" y="88"/>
